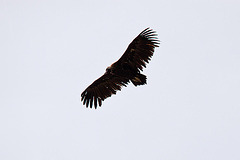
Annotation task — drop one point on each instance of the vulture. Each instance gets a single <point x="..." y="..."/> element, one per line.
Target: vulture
<point x="126" y="69"/>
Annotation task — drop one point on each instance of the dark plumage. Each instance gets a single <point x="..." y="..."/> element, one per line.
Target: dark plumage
<point x="126" y="69"/>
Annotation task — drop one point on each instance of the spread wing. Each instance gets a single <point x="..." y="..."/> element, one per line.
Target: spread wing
<point x="140" y="50"/>
<point x="103" y="87"/>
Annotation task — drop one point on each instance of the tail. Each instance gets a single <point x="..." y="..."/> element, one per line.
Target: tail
<point x="139" y="79"/>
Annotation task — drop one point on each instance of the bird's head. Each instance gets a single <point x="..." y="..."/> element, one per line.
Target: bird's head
<point x="108" y="70"/>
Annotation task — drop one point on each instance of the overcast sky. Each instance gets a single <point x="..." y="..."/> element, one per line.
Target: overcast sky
<point x="52" y="50"/>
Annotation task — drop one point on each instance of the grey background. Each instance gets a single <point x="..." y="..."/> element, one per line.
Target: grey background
<point x="52" y="50"/>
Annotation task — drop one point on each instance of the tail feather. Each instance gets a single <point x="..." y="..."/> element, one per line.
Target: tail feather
<point x="139" y="79"/>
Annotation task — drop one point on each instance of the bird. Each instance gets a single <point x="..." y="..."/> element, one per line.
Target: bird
<point x="125" y="70"/>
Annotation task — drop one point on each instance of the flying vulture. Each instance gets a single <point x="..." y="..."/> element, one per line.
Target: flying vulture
<point x="126" y="69"/>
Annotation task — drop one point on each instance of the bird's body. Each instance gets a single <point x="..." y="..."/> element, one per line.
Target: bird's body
<point x="126" y="69"/>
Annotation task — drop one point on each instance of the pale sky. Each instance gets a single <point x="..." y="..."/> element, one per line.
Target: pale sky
<point x="52" y="50"/>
